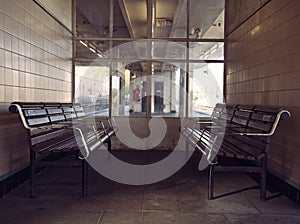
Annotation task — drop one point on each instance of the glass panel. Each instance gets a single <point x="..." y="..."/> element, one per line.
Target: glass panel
<point x="92" y="88"/>
<point x="92" y="18"/>
<point x="206" y="51"/>
<point x="169" y="50"/>
<point x="206" y="88"/>
<point x="123" y="26"/>
<point x="168" y="89"/>
<point x="90" y="50"/>
<point x="207" y="19"/>
<point x="130" y="18"/>
<point x="129" y="89"/>
<point x="130" y="50"/>
<point x="170" y="19"/>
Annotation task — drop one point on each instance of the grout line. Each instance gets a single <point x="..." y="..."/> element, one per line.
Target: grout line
<point x="100" y="217"/>
<point x="256" y="208"/>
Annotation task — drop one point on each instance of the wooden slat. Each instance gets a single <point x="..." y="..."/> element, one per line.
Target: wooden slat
<point x="38" y="121"/>
<point x="34" y="112"/>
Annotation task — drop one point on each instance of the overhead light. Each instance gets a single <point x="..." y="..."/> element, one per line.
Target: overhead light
<point x="100" y="55"/>
<point x="83" y="43"/>
<point x="92" y="50"/>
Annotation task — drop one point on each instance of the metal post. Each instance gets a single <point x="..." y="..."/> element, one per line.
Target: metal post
<point x="211" y="182"/>
<point x="263" y="184"/>
<point x="32" y="192"/>
<point x="84" y="177"/>
<point x="111" y="27"/>
<point x="187" y="60"/>
<point x="74" y="36"/>
<point x="187" y="148"/>
<point x="151" y="7"/>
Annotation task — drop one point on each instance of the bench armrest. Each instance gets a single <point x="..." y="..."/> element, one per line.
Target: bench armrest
<point x="283" y="114"/>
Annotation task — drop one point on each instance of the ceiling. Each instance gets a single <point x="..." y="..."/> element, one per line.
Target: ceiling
<point x="130" y="21"/>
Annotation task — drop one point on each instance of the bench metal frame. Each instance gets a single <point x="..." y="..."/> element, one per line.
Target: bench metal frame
<point x="51" y="128"/>
<point x="233" y="132"/>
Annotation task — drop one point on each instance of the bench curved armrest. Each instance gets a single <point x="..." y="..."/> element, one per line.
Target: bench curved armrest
<point x="283" y="114"/>
<point x="16" y="108"/>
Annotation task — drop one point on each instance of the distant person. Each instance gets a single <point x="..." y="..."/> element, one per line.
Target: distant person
<point x="136" y="93"/>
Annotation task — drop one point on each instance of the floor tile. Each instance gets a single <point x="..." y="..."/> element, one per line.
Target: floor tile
<point x="180" y="218"/>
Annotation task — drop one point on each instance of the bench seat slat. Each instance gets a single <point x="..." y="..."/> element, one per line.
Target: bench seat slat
<point x="34" y="112"/>
<point x="38" y="121"/>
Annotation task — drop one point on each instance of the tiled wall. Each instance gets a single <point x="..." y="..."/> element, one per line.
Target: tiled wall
<point x="263" y="67"/>
<point x="35" y="54"/>
<point x="35" y="65"/>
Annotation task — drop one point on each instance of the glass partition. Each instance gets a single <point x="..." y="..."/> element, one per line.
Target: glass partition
<point x="92" y="88"/>
<point x="136" y="59"/>
<point x="205" y="88"/>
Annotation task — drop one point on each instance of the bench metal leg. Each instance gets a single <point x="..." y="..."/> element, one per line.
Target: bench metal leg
<point x="84" y="178"/>
<point x="187" y="148"/>
<point x="109" y="145"/>
<point x="32" y="190"/>
<point x="109" y="148"/>
<point x="263" y="184"/>
<point x="211" y="182"/>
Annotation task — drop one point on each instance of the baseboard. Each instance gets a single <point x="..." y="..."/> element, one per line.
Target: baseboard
<point x="13" y="181"/>
<point x="290" y="191"/>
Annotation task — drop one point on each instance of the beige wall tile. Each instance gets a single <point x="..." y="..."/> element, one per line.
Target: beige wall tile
<point x="15" y="61"/>
<point x="266" y="63"/>
<point x="22" y="81"/>
<point x="7" y="59"/>
<point x="8" y="77"/>
<point x="1" y="37"/>
<point x="16" y="94"/>
<point x="8" y="93"/>
<point x="22" y="96"/>
<point x="16" y="78"/>
<point x="2" y="58"/>
<point x="2" y="76"/>
<point x="2" y="93"/>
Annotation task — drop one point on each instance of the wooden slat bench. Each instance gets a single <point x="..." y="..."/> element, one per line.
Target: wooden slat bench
<point x="242" y="132"/>
<point x="54" y="128"/>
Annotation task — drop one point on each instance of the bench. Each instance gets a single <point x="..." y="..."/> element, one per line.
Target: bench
<point x="242" y="132"/>
<point x="54" y="128"/>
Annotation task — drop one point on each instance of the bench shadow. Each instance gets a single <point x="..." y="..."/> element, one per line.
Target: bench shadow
<point x="279" y="194"/>
<point x="235" y="192"/>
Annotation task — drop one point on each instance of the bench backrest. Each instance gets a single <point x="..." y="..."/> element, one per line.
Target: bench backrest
<point x="37" y="115"/>
<point x="248" y="133"/>
<point x="265" y="120"/>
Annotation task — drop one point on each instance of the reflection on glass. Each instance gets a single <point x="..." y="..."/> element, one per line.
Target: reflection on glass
<point x="206" y="88"/>
<point x="130" y="50"/>
<point x="168" y="94"/>
<point x="206" y="51"/>
<point x="206" y="20"/>
<point x="129" y="90"/>
<point x="170" y="19"/>
<point x="92" y="88"/>
<point x="169" y="50"/>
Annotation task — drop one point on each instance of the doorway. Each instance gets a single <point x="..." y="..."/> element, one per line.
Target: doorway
<point x="159" y="97"/>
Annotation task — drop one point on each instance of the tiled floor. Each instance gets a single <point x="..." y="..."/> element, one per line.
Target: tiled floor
<point x="181" y="199"/>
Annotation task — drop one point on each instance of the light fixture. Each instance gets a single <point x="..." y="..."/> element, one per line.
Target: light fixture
<point x="195" y="32"/>
<point x="92" y="50"/>
<point x="83" y="43"/>
<point x="88" y="45"/>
